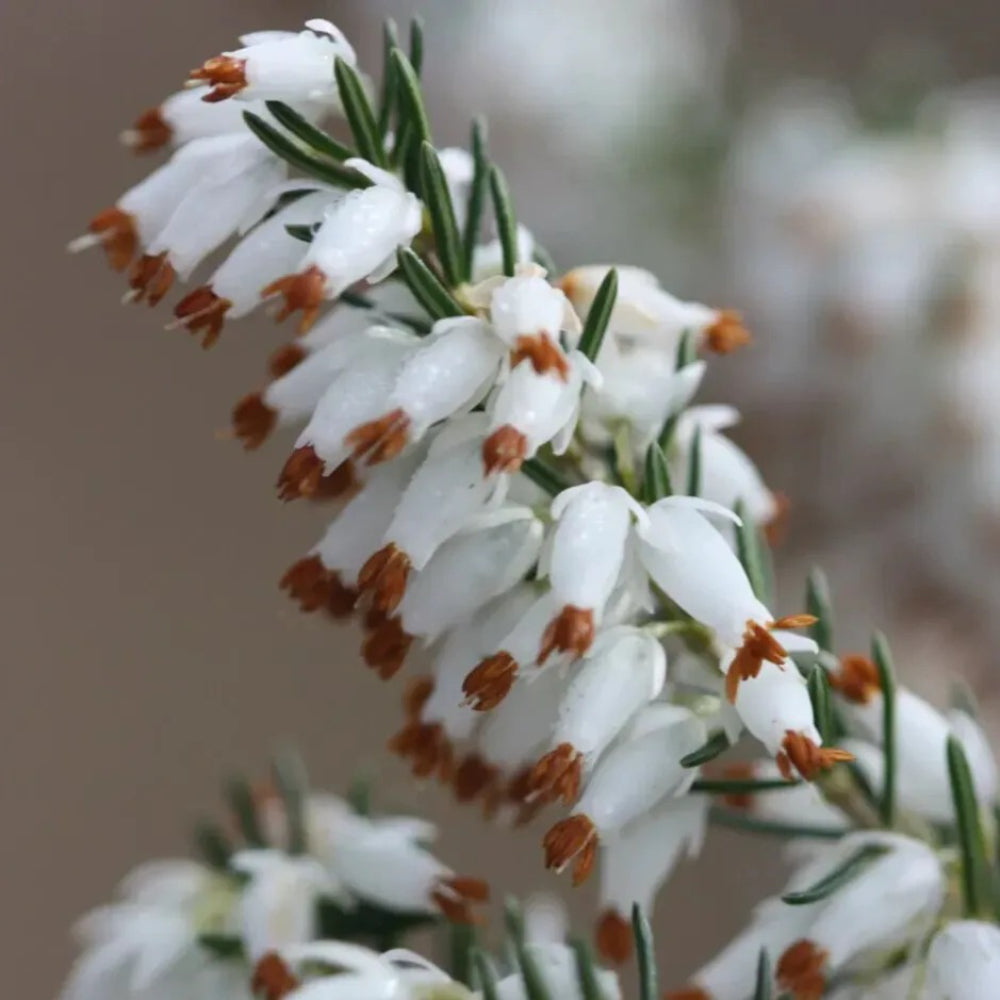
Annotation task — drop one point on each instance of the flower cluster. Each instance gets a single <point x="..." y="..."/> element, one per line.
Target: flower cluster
<point x="523" y="489"/>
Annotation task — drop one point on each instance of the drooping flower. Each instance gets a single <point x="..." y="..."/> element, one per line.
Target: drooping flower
<point x="963" y="962"/>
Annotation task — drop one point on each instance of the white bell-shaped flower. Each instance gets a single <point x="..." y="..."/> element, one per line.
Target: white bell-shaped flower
<point x="963" y="962"/>
<point x="624" y="671"/>
<point x="280" y="65"/>
<point x="633" y="777"/>
<point x="356" y="241"/>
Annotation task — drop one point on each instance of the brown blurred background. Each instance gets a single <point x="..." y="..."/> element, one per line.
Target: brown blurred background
<point x="148" y="651"/>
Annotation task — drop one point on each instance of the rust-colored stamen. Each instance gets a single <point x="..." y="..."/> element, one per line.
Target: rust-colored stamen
<point x="727" y="333"/>
<point x="473" y="777"/>
<point x="800" y="970"/>
<point x="490" y="681"/>
<point x="544" y="354"/>
<point x="504" y="450"/>
<point x="308" y="582"/>
<point x="151" y="277"/>
<point x="856" y="679"/>
<point x="687" y="993"/>
<point x="572" y="838"/>
<point x="202" y="311"/>
<point x="415" y="697"/>
<point x="800" y="752"/>
<point x="453" y="897"/>
<point x="301" y="474"/>
<point x="379" y="440"/>
<point x="340" y="599"/>
<point x="341" y="482"/>
<point x="118" y="234"/>
<point x="760" y="646"/>
<point x="738" y="770"/>
<point x="426" y="746"/>
<point x="558" y="775"/>
<point x="305" y="291"/>
<point x="253" y="420"/>
<point x="385" y="648"/>
<point x="777" y="524"/>
<point x="226" y="76"/>
<point x="385" y="574"/>
<point x="272" y="979"/>
<point x="151" y="131"/>
<point x="613" y="937"/>
<point x="571" y="631"/>
<point x="284" y="359"/>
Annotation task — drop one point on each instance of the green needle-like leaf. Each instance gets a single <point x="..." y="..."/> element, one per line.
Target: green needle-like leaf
<point x="359" y="795"/>
<point x="359" y="113"/>
<point x="840" y="876"/>
<point x="750" y="824"/>
<point x="292" y="782"/>
<point x="748" y="548"/>
<point x="244" y="809"/>
<point x="426" y="286"/>
<point x="477" y="196"/>
<point x="648" y="985"/>
<point x="694" y="465"/>
<point x="599" y="316"/>
<point x="717" y="743"/>
<point x="586" y="974"/>
<point x="763" y="991"/>
<point x="411" y="98"/>
<point x="224" y="946"/>
<point x="387" y="97"/>
<point x="213" y="845"/>
<point x="819" y="604"/>
<point x="976" y="874"/>
<point x="741" y="786"/>
<point x="503" y="210"/>
<point x="434" y="190"/>
<point x="417" y="45"/>
<point x="882" y="657"/>
<point x="305" y="131"/>
<point x="461" y="943"/>
<point x="534" y="984"/>
<point x="687" y="350"/>
<point x="819" y="694"/>
<point x="298" y="156"/>
<point x="301" y="232"/>
<point x="544" y="476"/>
<point x="656" y="475"/>
<point x="485" y="974"/>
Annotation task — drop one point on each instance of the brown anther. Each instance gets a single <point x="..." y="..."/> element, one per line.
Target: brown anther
<point x="151" y="277"/>
<point x="415" y="697"/>
<point x="203" y="311"/>
<point x="777" y="524"/>
<point x="284" y="359"/>
<point x="380" y="440"/>
<point x="385" y="647"/>
<point x="571" y="631"/>
<point x="305" y="291"/>
<point x="558" y="774"/>
<point x="301" y="474"/>
<point x="759" y="645"/>
<point x="341" y="482"/>
<point x="473" y="777"/>
<point x="307" y="582"/>
<point x="687" y="993"/>
<point x="490" y="681"/>
<point x="426" y="746"/>
<point x="790" y="622"/>
<point x="573" y="837"/>
<point x="504" y="450"/>
<point x="118" y="234"/>
<point x="453" y="897"/>
<point x="272" y="979"/>
<point x="544" y="354"/>
<point x="801" y="753"/>
<point x="150" y="131"/>
<point x="613" y="937"/>
<point x="738" y="770"/>
<point x="799" y="971"/>
<point x="385" y="574"/>
<point x="475" y="890"/>
<point x="340" y="599"/>
<point x="226" y="75"/>
<point x="253" y="420"/>
<point x="727" y="333"/>
<point x="857" y="679"/>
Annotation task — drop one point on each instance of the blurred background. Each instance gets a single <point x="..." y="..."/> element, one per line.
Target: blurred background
<point x="832" y="171"/>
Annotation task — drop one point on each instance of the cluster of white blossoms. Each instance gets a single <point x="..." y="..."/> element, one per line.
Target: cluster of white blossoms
<point x="523" y="490"/>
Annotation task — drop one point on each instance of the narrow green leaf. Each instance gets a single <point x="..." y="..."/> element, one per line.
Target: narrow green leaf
<point x="417" y="45"/>
<point x="819" y="694"/>
<point x="411" y="98"/>
<point x="694" y="465"/>
<point x="586" y="974"/>
<point x="222" y="946"/>
<point x="305" y="131"/>
<point x="740" y="821"/>
<point x="301" y="232"/>
<point x="544" y="476"/>
<point x="976" y="875"/>
<point x="819" y="604"/>
<point x="741" y="786"/>
<point x="762" y="991"/>
<point x="487" y="977"/>
<point x="359" y="795"/>
<point x="840" y="876"/>
<point x="461" y="943"/>
<point x="534" y="984"/>
<point x="437" y="198"/>
<point x="416" y="323"/>
<point x="687" y="350"/>
<point x="426" y="286"/>
<point x="649" y="988"/>
<point x="244" y="809"/>
<point x="599" y="316"/>
<point x="213" y="845"/>
<point x="666" y="436"/>
<point x="297" y="156"/>
<point x="359" y="113"/>
<point x="387" y="97"/>
<point x="749" y="553"/>
<point x="503" y="210"/>
<point x="882" y="658"/>
<point x="292" y="782"/>
<point x="656" y="475"/>
<point x="477" y="196"/>
<point x="716" y="744"/>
